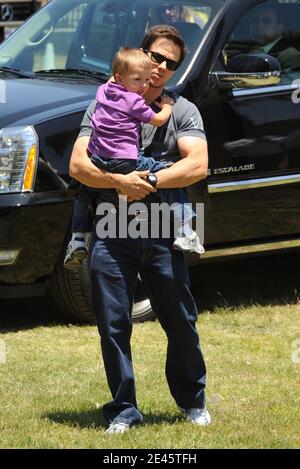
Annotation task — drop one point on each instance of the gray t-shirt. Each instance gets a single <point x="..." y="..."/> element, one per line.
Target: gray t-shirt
<point x="161" y="142"/>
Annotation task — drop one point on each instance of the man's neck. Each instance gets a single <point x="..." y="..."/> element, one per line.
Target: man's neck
<point x="152" y="94"/>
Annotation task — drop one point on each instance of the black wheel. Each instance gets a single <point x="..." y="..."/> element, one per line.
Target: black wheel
<point x="71" y="291"/>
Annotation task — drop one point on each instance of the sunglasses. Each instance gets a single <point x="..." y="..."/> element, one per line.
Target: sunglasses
<point x="159" y="59"/>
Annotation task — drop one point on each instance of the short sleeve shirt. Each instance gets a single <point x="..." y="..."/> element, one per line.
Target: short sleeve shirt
<point x="116" y="122"/>
<point x="161" y="142"/>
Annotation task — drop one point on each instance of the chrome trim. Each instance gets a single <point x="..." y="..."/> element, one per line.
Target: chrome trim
<point x="252" y="183"/>
<point x="11" y="24"/>
<point x="253" y="248"/>
<point x="264" y="90"/>
<point x="253" y="80"/>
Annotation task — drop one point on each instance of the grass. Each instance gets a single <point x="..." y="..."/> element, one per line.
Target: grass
<point x="53" y="384"/>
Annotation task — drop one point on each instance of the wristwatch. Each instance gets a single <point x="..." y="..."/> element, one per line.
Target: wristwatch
<point x="152" y="179"/>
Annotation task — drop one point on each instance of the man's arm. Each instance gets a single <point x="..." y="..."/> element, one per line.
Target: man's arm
<point x="83" y="170"/>
<point x="190" y="169"/>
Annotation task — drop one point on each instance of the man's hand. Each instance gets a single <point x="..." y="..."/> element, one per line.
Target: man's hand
<point x="134" y="185"/>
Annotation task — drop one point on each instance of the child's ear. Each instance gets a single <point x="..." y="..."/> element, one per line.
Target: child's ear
<point x="118" y="77"/>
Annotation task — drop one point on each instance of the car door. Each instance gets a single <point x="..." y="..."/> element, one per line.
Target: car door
<point x="254" y="137"/>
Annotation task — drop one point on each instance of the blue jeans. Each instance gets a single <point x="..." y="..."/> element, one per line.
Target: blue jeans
<point x="114" y="267"/>
<point x="81" y="221"/>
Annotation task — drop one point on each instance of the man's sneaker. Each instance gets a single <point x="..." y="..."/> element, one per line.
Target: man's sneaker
<point x="118" y="427"/>
<point x="197" y="416"/>
<point x="189" y="243"/>
<point x="76" y="252"/>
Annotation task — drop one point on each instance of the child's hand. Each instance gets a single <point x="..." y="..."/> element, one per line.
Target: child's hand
<point x="165" y="102"/>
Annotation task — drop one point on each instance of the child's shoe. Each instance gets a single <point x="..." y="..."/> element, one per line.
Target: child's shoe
<point x="189" y="243"/>
<point x="77" y="251"/>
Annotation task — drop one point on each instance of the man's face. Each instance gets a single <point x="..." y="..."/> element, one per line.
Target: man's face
<point x="170" y="13"/>
<point x="266" y="24"/>
<point x="160" y="73"/>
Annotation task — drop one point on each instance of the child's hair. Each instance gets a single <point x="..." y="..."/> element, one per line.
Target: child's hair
<point x="127" y="58"/>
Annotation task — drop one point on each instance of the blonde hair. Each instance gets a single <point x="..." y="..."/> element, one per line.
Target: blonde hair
<point x="127" y="58"/>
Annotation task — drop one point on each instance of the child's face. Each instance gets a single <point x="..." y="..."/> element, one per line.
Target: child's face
<point x="136" y="81"/>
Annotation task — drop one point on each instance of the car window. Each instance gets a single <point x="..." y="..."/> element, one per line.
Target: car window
<point x="53" y="52"/>
<point x="86" y="34"/>
<point x="273" y="28"/>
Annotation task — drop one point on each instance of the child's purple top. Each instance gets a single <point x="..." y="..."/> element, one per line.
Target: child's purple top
<point x="116" y="122"/>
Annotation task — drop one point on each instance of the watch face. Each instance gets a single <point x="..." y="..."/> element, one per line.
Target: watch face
<point x="152" y="179"/>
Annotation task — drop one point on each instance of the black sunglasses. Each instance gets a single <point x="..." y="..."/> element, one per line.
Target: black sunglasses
<point x="159" y="59"/>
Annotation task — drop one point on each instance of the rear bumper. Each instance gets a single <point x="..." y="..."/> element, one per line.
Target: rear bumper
<point x="34" y="226"/>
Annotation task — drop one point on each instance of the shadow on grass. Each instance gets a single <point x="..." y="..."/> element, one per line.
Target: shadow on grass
<point x="93" y="418"/>
<point x="267" y="280"/>
<point x="82" y="419"/>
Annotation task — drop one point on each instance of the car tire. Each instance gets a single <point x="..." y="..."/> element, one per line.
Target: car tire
<point x="71" y="291"/>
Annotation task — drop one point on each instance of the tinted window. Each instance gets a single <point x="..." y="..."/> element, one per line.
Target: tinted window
<point x="273" y="28"/>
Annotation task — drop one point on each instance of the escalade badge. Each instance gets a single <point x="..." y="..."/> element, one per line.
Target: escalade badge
<point x="234" y="169"/>
<point x="6" y="12"/>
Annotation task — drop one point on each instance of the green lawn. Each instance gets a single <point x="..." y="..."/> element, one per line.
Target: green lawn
<point x="52" y="384"/>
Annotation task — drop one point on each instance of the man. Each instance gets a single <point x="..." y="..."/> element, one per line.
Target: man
<point x="269" y="31"/>
<point x="116" y="262"/>
<point x="266" y="27"/>
<point x="170" y="13"/>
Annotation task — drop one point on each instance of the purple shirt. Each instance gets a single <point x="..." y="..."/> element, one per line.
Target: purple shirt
<point x="116" y="122"/>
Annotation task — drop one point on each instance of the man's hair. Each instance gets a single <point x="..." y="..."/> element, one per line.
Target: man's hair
<point x="128" y="58"/>
<point x="168" y="32"/>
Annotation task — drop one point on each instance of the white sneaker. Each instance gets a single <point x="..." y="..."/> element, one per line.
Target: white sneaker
<point x="118" y="427"/>
<point x="197" y="416"/>
<point x="189" y="243"/>
<point x="76" y="252"/>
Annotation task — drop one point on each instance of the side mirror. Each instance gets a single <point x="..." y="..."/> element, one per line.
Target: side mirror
<point x="247" y="70"/>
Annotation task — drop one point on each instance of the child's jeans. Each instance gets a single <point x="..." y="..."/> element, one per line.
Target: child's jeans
<point x="182" y="210"/>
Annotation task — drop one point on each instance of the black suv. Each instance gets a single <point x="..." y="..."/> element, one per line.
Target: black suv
<point x="243" y="72"/>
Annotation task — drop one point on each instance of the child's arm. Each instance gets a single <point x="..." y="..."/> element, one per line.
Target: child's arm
<point x="165" y="104"/>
